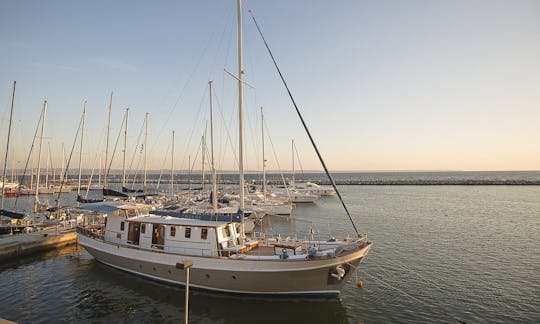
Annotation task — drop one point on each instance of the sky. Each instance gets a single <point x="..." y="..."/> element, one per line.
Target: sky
<point x="382" y="85"/>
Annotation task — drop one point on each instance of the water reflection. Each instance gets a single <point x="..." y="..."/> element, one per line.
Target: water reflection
<point x="106" y="292"/>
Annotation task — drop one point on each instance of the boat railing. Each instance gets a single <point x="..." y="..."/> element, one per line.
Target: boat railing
<point x="97" y="233"/>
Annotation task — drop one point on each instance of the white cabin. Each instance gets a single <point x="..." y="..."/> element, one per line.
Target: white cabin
<point x="132" y="225"/>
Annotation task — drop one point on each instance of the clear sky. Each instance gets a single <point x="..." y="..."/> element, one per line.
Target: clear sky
<point x="383" y="85"/>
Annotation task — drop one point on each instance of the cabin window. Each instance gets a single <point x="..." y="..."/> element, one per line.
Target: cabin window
<point x="173" y="230"/>
<point x="188" y="232"/>
<point x="204" y="233"/>
<point x="143" y="228"/>
<point x="121" y="226"/>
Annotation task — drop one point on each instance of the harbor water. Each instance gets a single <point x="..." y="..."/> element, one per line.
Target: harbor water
<point x="441" y="254"/>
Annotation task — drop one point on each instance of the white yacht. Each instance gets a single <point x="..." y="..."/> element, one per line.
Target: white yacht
<point x="223" y="260"/>
<point x="315" y="189"/>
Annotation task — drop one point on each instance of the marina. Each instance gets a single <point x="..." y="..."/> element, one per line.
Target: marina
<point x="269" y="162"/>
<point x="440" y="245"/>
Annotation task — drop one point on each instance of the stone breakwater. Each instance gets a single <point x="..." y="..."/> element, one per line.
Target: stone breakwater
<point x="431" y="182"/>
<point x="375" y="182"/>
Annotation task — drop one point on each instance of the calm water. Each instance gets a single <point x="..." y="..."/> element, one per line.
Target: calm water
<point x="441" y="253"/>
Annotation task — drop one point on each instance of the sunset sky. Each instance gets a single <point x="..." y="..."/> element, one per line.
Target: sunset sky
<point x="383" y="85"/>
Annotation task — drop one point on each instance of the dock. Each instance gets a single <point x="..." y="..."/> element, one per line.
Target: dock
<point x="19" y="245"/>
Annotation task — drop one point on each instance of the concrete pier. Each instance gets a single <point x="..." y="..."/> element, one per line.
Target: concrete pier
<point x="19" y="245"/>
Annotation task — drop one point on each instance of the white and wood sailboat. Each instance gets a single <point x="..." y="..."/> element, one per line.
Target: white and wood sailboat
<point x="223" y="257"/>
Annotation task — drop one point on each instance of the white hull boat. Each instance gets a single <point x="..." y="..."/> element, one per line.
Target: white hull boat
<point x="223" y="260"/>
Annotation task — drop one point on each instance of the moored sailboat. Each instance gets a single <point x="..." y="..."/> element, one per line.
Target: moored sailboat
<point x="223" y="257"/>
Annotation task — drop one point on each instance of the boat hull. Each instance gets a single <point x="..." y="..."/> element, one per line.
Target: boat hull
<point x="258" y="277"/>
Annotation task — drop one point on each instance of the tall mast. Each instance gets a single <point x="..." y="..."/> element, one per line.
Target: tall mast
<point x="7" y="146"/>
<point x="293" y="182"/>
<point x="125" y="148"/>
<point x="52" y="166"/>
<point x="99" y="173"/>
<point x="107" y="144"/>
<point x="62" y="176"/>
<point x="145" y="147"/>
<point x="43" y="113"/>
<point x="48" y="165"/>
<point x="81" y="150"/>
<point x="263" y="157"/>
<point x="203" y="155"/>
<point x="240" y="111"/>
<point x="214" y="176"/>
<point x="13" y="165"/>
<point x="172" y="165"/>
<point x="189" y="177"/>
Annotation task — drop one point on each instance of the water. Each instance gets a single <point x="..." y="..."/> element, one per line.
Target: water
<point x="441" y="254"/>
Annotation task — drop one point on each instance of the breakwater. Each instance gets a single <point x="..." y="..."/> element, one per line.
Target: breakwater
<point x="431" y="178"/>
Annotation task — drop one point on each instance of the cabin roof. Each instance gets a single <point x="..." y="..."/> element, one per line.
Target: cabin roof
<point x="168" y="220"/>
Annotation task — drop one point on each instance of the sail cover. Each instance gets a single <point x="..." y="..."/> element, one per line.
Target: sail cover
<point x="11" y="214"/>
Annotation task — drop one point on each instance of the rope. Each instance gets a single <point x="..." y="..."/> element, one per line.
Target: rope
<point x="304" y="124"/>
<point x="98" y="156"/>
<point x="67" y="166"/>
<point x="28" y="160"/>
<point x="277" y="162"/>
<point x="114" y="150"/>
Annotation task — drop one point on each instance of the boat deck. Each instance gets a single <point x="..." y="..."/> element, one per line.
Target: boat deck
<point x="262" y="251"/>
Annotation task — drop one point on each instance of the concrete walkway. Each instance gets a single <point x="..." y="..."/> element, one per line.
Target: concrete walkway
<point x="18" y="245"/>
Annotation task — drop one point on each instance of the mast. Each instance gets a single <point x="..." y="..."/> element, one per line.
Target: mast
<point x="263" y="157"/>
<point x="107" y="145"/>
<point x="125" y="148"/>
<point x="240" y="113"/>
<point x="172" y="165"/>
<point x="62" y="176"/>
<point x="99" y="173"/>
<point x="81" y="151"/>
<point x="53" y="175"/>
<point x="189" y="177"/>
<point x="145" y="147"/>
<point x="7" y="146"/>
<point x="13" y="165"/>
<point x="214" y="176"/>
<point x="44" y="112"/>
<point x="293" y="182"/>
<point x="48" y="165"/>
<point x="203" y="155"/>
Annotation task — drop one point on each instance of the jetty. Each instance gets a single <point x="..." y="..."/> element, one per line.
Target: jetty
<point x="19" y="245"/>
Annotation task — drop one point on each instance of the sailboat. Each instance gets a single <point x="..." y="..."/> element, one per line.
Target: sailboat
<point x="5" y="215"/>
<point x="222" y="257"/>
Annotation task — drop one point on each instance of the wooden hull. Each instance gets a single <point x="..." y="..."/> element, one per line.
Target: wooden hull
<point x="259" y="277"/>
